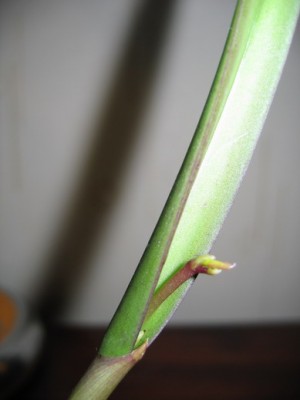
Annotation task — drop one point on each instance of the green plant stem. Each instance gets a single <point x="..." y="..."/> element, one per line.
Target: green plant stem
<point x="240" y="97"/>
<point x="217" y="158"/>
<point x="146" y="277"/>
<point x="104" y="375"/>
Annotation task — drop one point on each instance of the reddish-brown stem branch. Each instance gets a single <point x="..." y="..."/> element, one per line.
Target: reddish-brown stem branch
<point x="200" y="265"/>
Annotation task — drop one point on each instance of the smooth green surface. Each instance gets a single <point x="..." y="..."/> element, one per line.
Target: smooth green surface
<point x="222" y="146"/>
<point x="104" y="374"/>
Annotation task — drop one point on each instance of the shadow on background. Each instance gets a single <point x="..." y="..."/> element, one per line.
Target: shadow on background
<point x="109" y="152"/>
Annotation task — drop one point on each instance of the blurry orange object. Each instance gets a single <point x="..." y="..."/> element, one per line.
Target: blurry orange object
<point x="8" y="315"/>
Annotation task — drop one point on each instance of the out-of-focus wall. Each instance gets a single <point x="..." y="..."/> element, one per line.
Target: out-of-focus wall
<point x="72" y="75"/>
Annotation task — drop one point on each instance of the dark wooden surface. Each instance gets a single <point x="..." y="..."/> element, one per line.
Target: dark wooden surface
<point x="185" y="363"/>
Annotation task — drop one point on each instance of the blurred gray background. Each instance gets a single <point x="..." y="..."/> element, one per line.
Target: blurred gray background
<point x="98" y="103"/>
